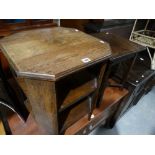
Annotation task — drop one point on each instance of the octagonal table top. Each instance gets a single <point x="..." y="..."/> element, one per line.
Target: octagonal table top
<point x="51" y="53"/>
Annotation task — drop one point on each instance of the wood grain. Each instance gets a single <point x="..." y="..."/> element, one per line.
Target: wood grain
<point x="42" y="97"/>
<point x="83" y="126"/>
<point x="8" y="28"/>
<point x="113" y="96"/>
<point x="79" y="85"/>
<point x="51" y="53"/>
<point x="81" y="91"/>
<point x="73" y="114"/>
<point x="119" y="46"/>
<point x="30" y="127"/>
<point x="41" y="57"/>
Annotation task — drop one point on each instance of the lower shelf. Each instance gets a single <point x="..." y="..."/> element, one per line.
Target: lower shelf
<point x="73" y="114"/>
<point x="83" y="126"/>
<point x="109" y="105"/>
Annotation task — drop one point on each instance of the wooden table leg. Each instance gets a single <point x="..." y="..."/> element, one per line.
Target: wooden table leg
<point x="126" y="73"/>
<point x="103" y="84"/>
<point x="42" y="97"/>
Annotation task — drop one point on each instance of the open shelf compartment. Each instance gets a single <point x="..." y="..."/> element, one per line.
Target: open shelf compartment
<point x="75" y="88"/>
<point x="111" y="100"/>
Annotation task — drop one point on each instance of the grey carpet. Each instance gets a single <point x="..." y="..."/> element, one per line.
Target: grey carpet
<point x="139" y="120"/>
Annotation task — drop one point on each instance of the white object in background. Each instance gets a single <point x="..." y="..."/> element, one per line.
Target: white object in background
<point x="152" y="59"/>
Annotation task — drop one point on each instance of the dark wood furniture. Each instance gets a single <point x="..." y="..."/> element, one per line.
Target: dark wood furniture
<point x="8" y="27"/>
<point x="7" y="109"/>
<point x="121" y="27"/>
<point x="140" y="81"/>
<point x="60" y="70"/>
<point x="113" y="99"/>
<point x="13" y="92"/>
<point x="9" y="102"/>
<point x="74" y="23"/>
<point x="123" y="50"/>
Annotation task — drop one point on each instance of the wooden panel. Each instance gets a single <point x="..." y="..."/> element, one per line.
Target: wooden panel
<point x="51" y="53"/>
<point x="83" y="127"/>
<point x="79" y="85"/>
<point x="7" y="28"/>
<point x="79" y="92"/>
<point x="4" y="63"/>
<point x="74" y="23"/>
<point x="42" y="97"/>
<point x="76" y="112"/>
<point x="120" y="46"/>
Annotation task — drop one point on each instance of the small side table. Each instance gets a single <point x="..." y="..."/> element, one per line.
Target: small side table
<point x="122" y="50"/>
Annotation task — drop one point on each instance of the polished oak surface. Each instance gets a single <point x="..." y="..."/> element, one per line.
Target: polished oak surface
<point x="51" y="53"/>
<point x="119" y="46"/>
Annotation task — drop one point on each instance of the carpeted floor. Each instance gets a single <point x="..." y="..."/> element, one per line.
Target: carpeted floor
<point x="139" y="120"/>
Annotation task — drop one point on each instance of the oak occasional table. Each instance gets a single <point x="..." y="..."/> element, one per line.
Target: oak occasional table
<point x="60" y="70"/>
